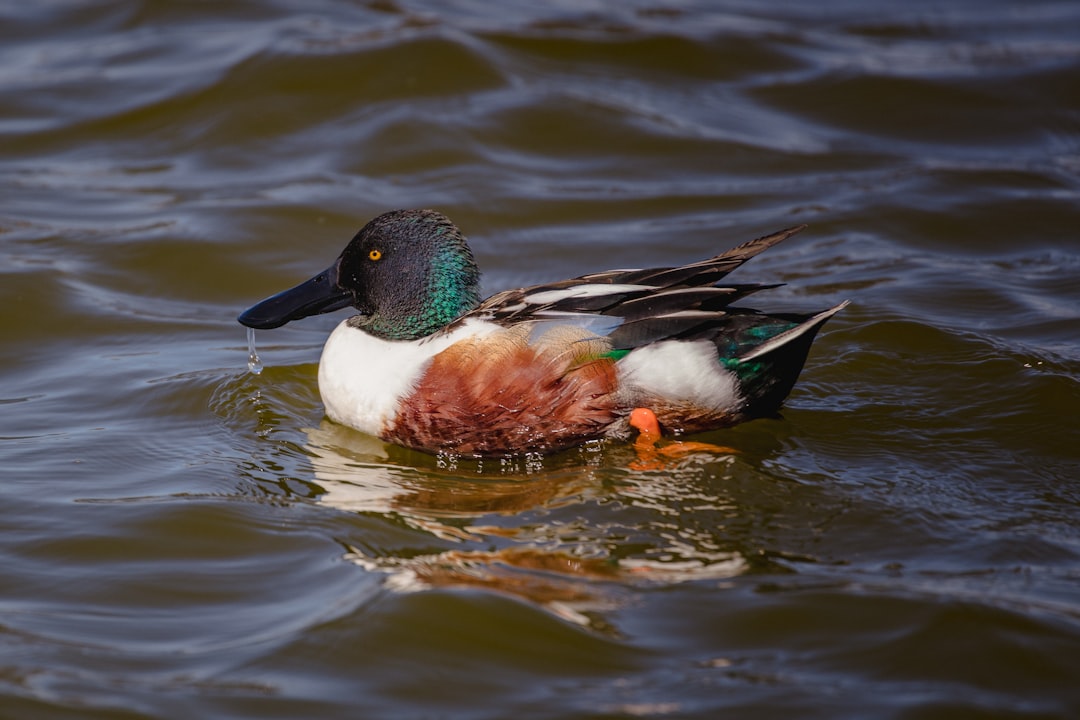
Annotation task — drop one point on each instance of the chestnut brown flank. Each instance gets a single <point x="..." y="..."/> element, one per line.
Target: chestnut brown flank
<point x="484" y="396"/>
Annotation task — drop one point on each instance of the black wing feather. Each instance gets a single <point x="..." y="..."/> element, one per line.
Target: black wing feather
<point x="666" y="304"/>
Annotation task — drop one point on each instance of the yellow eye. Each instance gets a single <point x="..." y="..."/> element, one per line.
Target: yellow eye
<point x="374" y="254"/>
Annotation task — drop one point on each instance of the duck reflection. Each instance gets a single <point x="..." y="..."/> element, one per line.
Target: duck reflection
<point x="536" y="531"/>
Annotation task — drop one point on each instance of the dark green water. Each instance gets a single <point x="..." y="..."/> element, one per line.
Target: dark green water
<point x="183" y="539"/>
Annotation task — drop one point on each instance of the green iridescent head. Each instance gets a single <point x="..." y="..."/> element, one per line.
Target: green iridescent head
<point x="409" y="273"/>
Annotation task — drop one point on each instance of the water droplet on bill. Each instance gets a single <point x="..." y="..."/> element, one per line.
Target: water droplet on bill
<point x="254" y="363"/>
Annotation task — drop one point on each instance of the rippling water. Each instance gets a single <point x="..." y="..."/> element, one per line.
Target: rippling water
<point x="182" y="538"/>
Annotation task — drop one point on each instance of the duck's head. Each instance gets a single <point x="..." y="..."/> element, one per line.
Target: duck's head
<point x="407" y="272"/>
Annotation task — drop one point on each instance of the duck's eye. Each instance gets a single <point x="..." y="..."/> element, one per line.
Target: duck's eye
<point x="374" y="254"/>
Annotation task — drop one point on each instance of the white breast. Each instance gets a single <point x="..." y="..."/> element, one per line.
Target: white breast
<point x="362" y="378"/>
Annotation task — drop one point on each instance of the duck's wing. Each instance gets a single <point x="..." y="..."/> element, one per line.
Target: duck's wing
<point x="634" y="294"/>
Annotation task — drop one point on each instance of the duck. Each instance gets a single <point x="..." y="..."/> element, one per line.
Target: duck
<point x="424" y="362"/>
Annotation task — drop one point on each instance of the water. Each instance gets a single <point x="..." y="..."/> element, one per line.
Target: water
<point x="254" y="363"/>
<point x="185" y="537"/>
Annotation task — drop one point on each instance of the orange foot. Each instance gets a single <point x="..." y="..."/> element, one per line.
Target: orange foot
<point x="651" y="457"/>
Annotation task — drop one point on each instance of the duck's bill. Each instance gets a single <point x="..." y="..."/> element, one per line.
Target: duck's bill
<point x="320" y="294"/>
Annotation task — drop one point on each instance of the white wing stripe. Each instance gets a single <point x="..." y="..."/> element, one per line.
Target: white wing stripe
<point x="546" y="297"/>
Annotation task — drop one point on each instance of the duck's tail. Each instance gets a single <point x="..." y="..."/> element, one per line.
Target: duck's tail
<point x="768" y="369"/>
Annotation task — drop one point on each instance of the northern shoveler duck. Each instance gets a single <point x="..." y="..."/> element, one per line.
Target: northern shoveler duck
<point x="427" y="365"/>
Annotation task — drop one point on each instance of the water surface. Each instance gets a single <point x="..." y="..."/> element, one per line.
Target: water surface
<point x="183" y="538"/>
